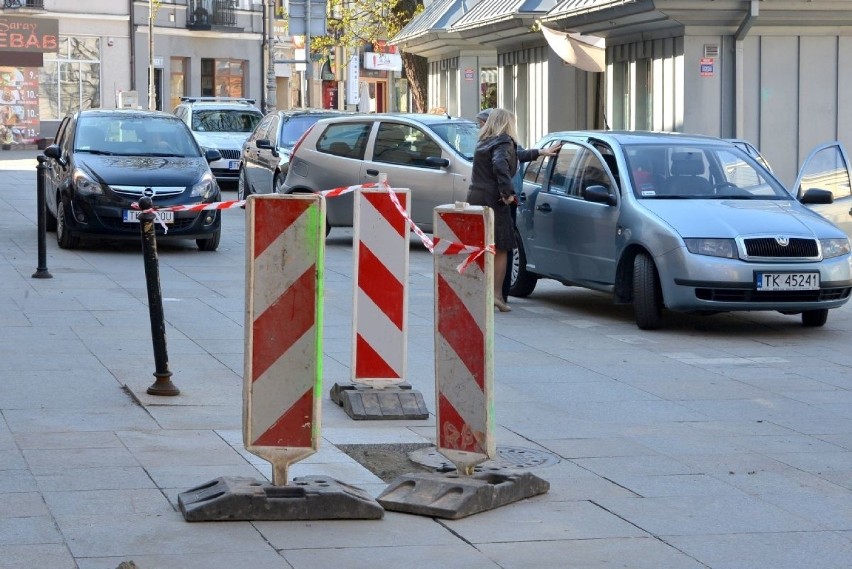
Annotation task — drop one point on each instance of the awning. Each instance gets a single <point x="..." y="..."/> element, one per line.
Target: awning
<point x="584" y="52"/>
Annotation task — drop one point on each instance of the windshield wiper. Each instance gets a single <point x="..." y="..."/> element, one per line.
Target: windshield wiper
<point x="95" y="151"/>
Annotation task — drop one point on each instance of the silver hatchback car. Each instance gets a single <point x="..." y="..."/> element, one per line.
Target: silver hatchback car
<point x="689" y="223"/>
<point x="429" y="154"/>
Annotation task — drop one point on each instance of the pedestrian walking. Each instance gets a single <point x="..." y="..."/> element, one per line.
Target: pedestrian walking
<point x="495" y="163"/>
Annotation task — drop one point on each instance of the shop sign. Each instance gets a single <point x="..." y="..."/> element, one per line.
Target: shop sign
<point x="468" y="74"/>
<point x="28" y="34"/>
<point x="383" y="61"/>
<point x="707" y="67"/>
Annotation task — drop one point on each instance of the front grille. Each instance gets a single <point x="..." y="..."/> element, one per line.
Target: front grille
<point x="229" y="154"/>
<point x="138" y="191"/>
<point x="769" y="248"/>
<point x="750" y="295"/>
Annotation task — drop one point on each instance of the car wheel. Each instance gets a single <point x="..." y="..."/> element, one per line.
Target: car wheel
<point x="210" y="244"/>
<point x="49" y="220"/>
<point x="277" y="183"/>
<point x="63" y="235"/>
<point x="522" y="282"/>
<point x="647" y="294"/>
<point x="814" y="318"/>
<point x="243" y="190"/>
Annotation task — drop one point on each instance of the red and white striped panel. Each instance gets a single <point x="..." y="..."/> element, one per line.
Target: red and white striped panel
<point x="464" y="338"/>
<point x="285" y="246"/>
<point x="380" y="310"/>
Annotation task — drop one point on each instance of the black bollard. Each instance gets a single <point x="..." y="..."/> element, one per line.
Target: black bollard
<point x="163" y="384"/>
<point x="41" y="215"/>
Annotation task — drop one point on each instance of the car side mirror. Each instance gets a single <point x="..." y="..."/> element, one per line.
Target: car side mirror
<point x="263" y="144"/>
<point x="212" y="154"/>
<point x="53" y="151"/>
<point x="437" y="162"/>
<point x="599" y="194"/>
<point x="817" y="196"/>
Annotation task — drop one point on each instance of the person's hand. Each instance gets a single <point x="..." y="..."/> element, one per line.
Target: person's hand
<point x="508" y="200"/>
<point x="550" y="150"/>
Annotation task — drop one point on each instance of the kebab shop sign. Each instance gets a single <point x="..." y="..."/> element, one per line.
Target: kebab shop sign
<point x="28" y="34"/>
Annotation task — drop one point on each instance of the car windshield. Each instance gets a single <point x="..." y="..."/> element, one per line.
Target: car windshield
<point x="134" y="136"/>
<point x="695" y="171"/>
<point x="295" y="127"/>
<point x="460" y="135"/>
<point x="224" y="120"/>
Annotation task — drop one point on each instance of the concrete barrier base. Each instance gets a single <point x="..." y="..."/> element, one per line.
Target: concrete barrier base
<point x="305" y="498"/>
<point x="362" y="402"/>
<point x="452" y="496"/>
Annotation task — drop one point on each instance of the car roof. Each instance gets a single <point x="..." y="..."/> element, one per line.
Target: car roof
<point x="128" y="113"/>
<point x="220" y="102"/>
<point x="637" y="137"/>
<point x="421" y="118"/>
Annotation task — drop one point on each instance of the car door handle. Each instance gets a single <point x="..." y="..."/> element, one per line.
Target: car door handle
<point x="544" y="207"/>
<point x="372" y="172"/>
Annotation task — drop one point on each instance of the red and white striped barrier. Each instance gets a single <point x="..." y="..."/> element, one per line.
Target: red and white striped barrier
<point x="464" y="337"/>
<point x="380" y="310"/>
<point x="285" y="247"/>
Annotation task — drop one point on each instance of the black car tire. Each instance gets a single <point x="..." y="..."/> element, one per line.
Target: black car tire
<point x="814" y="318"/>
<point x="277" y="183"/>
<point x="523" y="282"/>
<point x="210" y="244"/>
<point x="63" y="236"/>
<point x="49" y="220"/>
<point x="243" y="190"/>
<point x="647" y="294"/>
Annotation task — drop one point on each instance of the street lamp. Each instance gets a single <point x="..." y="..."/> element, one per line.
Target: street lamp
<point x="271" y="91"/>
<point x="152" y="104"/>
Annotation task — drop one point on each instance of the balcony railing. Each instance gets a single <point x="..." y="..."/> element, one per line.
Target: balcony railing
<point x="205" y="14"/>
<point x="38" y="4"/>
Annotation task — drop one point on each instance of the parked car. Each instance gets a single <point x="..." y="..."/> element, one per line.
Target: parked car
<point x="429" y="154"/>
<point x="266" y="152"/>
<point x="689" y="223"/>
<point x="222" y="123"/>
<point x="103" y="161"/>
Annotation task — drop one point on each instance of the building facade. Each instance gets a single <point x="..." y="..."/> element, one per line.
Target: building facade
<point x="774" y="73"/>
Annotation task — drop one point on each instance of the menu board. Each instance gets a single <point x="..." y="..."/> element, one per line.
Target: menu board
<point x="19" y="118"/>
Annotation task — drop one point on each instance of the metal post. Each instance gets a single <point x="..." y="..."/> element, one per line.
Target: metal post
<point x="152" y="104"/>
<point x="41" y="214"/>
<point x="163" y="384"/>
<point x="308" y="60"/>
<point x="271" y="87"/>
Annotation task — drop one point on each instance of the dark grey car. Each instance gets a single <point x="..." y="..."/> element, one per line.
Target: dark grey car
<point x="266" y="152"/>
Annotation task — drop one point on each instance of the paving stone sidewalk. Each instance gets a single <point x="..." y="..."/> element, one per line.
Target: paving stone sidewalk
<point x="720" y="442"/>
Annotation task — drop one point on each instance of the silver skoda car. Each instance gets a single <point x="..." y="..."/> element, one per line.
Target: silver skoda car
<point x="685" y="223"/>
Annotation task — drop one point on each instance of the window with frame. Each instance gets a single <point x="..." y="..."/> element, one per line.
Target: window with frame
<point x="178" y="70"/>
<point x="70" y="79"/>
<point x="536" y="169"/>
<point x="346" y="139"/>
<point x="561" y="181"/>
<point x="223" y="77"/>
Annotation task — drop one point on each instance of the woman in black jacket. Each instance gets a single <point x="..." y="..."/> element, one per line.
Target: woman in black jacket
<point x="495" y="162"/>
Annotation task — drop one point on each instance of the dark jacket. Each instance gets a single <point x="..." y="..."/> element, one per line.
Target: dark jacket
<point x="495" y="162"/>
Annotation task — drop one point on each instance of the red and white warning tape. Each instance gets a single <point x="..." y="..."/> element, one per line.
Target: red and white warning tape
<point x="436" y="247"/>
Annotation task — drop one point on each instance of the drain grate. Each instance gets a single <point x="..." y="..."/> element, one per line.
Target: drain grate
<point x="507" y="457"/>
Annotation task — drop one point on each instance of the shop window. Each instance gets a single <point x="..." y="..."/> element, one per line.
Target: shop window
<point x="178" y="70"/>
<point x="70" y="79"/>
<point x="488" y="88"/>
<point x="223" y="78"/>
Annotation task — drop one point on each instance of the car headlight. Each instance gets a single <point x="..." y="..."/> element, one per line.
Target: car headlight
<point x="834" y="247"/>
<point x="204" y="189"/>
<point x="84" y="184"/>
<point x="713" y="247"/>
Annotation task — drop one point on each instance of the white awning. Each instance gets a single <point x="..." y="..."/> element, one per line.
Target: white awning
<point x="584" y="52"/>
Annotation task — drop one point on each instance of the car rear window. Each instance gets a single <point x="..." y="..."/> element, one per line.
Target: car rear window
<point x="345" y="139"/>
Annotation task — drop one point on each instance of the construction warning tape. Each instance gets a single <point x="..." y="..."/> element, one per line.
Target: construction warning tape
<point x="436" y="246"/>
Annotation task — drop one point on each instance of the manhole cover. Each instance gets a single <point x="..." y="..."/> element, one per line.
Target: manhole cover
<point x="507" y="457"/>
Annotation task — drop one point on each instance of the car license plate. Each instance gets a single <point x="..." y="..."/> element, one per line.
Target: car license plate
<point x="233" y="165"/>
<point x="132" y="216"/>
<point x="787" y="281"/>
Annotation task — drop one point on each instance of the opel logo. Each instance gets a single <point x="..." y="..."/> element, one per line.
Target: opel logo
<point x="783" y="241"/>
<point x="148" y="192"/>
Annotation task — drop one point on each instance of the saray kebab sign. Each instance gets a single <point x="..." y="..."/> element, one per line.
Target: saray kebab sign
<point x="28" y="34"/>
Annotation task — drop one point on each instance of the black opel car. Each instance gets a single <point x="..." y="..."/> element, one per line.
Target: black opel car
<point x="105" y="160"/>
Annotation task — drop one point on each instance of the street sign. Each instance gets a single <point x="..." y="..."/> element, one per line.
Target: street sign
<point x="307" y="17"/>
